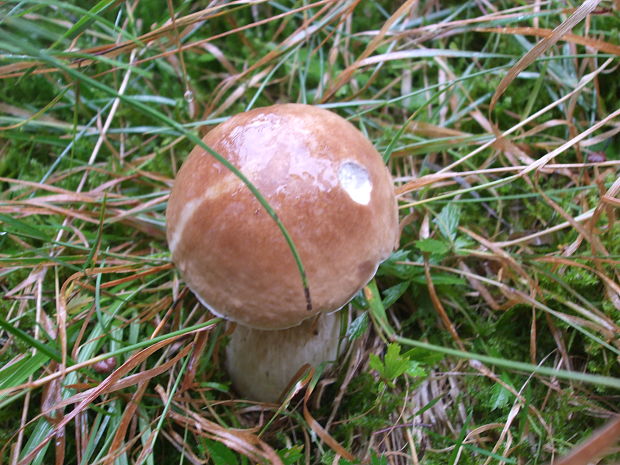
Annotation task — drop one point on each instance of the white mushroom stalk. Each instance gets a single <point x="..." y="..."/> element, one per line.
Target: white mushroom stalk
<point x="263" y="363"/>
<point x="331" y="190"/>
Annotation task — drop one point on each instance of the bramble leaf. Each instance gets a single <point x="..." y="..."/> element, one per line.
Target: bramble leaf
<point x="433" y="246"/>
<point x="395" y="364"/>
<point x="448" y="221"/>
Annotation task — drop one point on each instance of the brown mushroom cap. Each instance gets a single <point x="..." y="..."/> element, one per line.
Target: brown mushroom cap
<point x="329" y="187"/>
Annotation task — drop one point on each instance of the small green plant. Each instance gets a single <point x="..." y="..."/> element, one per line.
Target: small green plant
<point x="395" y="364"/>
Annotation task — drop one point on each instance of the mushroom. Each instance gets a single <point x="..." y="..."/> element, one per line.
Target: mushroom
<point x="333" y="193"/>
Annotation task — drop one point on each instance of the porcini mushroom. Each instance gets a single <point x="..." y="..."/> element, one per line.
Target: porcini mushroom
<point x="333" y="193"/>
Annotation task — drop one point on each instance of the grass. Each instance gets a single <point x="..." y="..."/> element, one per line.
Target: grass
<point x="490" y="336"/>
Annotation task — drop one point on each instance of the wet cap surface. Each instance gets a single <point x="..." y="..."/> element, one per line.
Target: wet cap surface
<point x="327" y="184"/>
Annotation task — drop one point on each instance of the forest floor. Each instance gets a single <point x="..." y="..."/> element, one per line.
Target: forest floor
<point x="490" y="336"/>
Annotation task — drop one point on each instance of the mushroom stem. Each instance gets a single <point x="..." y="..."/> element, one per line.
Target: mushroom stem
<point x="262" y="363"/>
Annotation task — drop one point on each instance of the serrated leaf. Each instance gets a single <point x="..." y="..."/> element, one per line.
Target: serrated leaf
<point x="392" y="294"/>
<point x="499" y="397"/>
<point x="395" y="363"/>
<point x="415" y="370"/>
<point x="448" y="221"/>
<point x="390" y="268"/>
<point x="375" y="363"/>
<point x="433" y="246"/>
<point x="399" y="255"/>
<point x="462" y="243"/>
<point x="220" y="454"/>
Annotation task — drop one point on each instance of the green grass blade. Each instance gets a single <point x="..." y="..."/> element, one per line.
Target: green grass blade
<point x="51" y="352"/>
